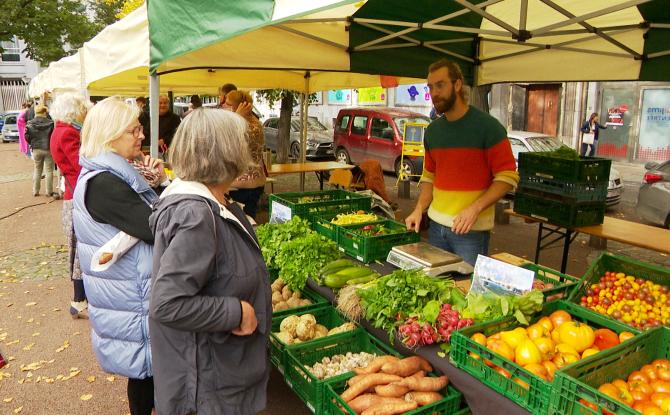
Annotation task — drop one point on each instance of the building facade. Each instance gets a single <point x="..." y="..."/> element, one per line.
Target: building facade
<point x="16" y="71"/>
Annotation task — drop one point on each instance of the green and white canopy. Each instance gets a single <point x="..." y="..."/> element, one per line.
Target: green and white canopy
<point x="493" y="40"/>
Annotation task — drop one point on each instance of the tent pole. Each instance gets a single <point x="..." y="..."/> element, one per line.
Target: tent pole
<point x="303" y="129"/>
<point x="154" y="88"/>
<point x="82" y="73"/>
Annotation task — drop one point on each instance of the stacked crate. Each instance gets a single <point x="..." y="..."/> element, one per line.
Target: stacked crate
<point x="564" y="192"/>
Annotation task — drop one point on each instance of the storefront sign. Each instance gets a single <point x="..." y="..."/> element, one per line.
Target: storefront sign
<point x="372" y="96"/>
<point x="413" y="95"/>
<point x="339" y="97"/>
<point x="655" y="125"/>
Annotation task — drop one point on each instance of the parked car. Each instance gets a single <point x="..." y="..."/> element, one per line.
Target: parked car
<point x="376" y="133"/>
<point x="529" y="141"/>
<point x="10" y="131"/>
<point x="653" y="200"/>
<point x="319" y="138"/>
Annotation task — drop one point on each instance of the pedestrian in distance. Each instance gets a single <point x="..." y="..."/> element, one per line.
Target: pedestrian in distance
<point x="590" y="131"/>
<point x="211" y="311"/>
<point x="250" y="185"/>
<point x="145" y="120"/>
<point x="168" y="122"/>
<point x="113" y="196"/>
<point x="69" y="111"/>
<point x="468" y="167"/>
<point x="24" y="148"/>
<point x="38" y="135"/>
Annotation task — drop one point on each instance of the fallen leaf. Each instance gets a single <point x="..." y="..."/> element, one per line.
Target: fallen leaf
<point x="18" y="410"/>
<point x="30" y="320"/>
<point x="10" y="304"/>
<point x="30" y="304"/>
<point x="90" y="379"/>
<point x="86" y="397"/>
<point x="28" y="346"/>
<point x="56" y="309"/>
<point x="7" y="400"/>
<point x="110" y="378"/>
<point x="12" y="342"/>
<point x="36" y="334"/>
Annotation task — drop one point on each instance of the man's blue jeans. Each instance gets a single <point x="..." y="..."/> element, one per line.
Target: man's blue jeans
<point x="467" y="246"/>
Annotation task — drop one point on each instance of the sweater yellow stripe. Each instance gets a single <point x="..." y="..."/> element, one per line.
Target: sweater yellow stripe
<point x="447" y="204"/>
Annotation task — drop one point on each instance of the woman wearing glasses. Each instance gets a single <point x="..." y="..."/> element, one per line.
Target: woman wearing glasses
<point x="113" y="194"/>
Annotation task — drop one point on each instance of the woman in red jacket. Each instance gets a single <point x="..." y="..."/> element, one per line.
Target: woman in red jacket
<point x="68" y="111"/>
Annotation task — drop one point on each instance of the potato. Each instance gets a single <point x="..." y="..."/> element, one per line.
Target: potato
<point x="278" y="284"/>
<point x="280" y="306"/>
<point x="305" y="301"/>
<point x="276" y="297"/>
<point x="309" y="317"/>
<point x="286" y="292"/>
<point x="297" y="295"/>
<point x="293" y="302"/>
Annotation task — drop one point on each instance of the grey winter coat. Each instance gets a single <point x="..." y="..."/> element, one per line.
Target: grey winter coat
<point x="38" y="132"/>
<point x="206" y="259"/>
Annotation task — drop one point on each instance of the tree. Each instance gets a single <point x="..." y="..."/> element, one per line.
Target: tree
<point x="127" y="7"/>
<point x="49" y="28"/>
<point x="287" y="99"/>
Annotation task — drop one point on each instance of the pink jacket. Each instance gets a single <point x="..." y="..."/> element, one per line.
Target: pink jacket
<point x="21" y="125"/>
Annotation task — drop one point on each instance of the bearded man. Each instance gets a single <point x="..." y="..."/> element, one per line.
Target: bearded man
<point x="468" y="167"/>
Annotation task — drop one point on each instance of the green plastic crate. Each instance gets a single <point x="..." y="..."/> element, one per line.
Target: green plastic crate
<point x="325" y="315"/>
<point x="371" y="248"/>
<point x="559" y="211"/>
<point x="582" y="379"/>
<point x="536" y="397"/>
<point x="307" y="386"/>
<point x="575" y="192"/>
<point x="584" y="170"/>
<point x="619" y="263"/>
<point x="308" y="205"/>
<point x="334" y="405"/>
<point x="322" y="225"/>
<point x="563" y="283"/>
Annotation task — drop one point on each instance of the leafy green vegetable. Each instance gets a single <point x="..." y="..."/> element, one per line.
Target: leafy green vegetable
<point x="296" y="250"/>
<point x="304" y="257"/>
<point x="563" y="152"/>
<point x="431" y="311"/>
<point x="388" y="300"/>
<point x="490" y="306"/>
<point x="271" y="237"/>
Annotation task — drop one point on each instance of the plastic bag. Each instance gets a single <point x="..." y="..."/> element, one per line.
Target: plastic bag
<point x="110" y="252"/>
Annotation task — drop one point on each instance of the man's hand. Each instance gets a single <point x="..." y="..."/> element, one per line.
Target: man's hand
<point x="249" y="322"/>
<point x="463" y="221"/>
<point x="244" y="109"/>
<point x="413" y="221"/>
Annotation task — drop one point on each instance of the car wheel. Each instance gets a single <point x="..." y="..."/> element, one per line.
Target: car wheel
<point x="406" y="169"/>
<point x="294" y="151"/>
<point x="342" y="156"/>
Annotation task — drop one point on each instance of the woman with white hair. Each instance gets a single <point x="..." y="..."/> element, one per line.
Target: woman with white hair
<point x="112" y="196"/>
<point x="68" y="112"/>
<point x="210" y="309"/>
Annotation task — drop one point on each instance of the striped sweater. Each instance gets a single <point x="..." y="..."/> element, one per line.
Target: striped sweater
<point x="462" y="159"/>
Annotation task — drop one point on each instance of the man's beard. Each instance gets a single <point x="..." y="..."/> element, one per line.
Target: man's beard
<point x="444" y="105"/>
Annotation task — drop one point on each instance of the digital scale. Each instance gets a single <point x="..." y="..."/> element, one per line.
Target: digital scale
<point x="433" y="260"/>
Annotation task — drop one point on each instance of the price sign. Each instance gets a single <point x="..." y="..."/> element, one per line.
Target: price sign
<point x="280" y="213"/>
<point x="501" y="277"/>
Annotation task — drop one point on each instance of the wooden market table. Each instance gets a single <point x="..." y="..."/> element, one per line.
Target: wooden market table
<point x="318" y="167"/>
<point x="631" y="233"/>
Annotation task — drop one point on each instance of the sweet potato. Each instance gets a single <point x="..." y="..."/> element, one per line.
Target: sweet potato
<point x="423" y="398"/>
<point x="355" y="379"/>
<point x="369" y="381"/>
<point x="390" y="408"/>
<point x="407" y="366"/>
<point x="363" y="402"/>
<point x="425" y="384"/>
<point x="375" y="365"/>
<point x="105" y="257"/>
<point x="392" y="390"/>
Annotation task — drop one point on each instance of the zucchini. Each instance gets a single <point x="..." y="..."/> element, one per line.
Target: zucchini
<point x="363" y="280"/>
<point x="336" y="265"/>
<point x="339" y="279"/>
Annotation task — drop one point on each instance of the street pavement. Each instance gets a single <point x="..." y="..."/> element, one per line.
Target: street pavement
<point x="53" y="369"/>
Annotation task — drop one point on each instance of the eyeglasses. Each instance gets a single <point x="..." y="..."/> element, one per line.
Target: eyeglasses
<point x="136" y="131"/>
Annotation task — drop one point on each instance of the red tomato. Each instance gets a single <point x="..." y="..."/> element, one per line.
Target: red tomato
<point x="605" y="338"/>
